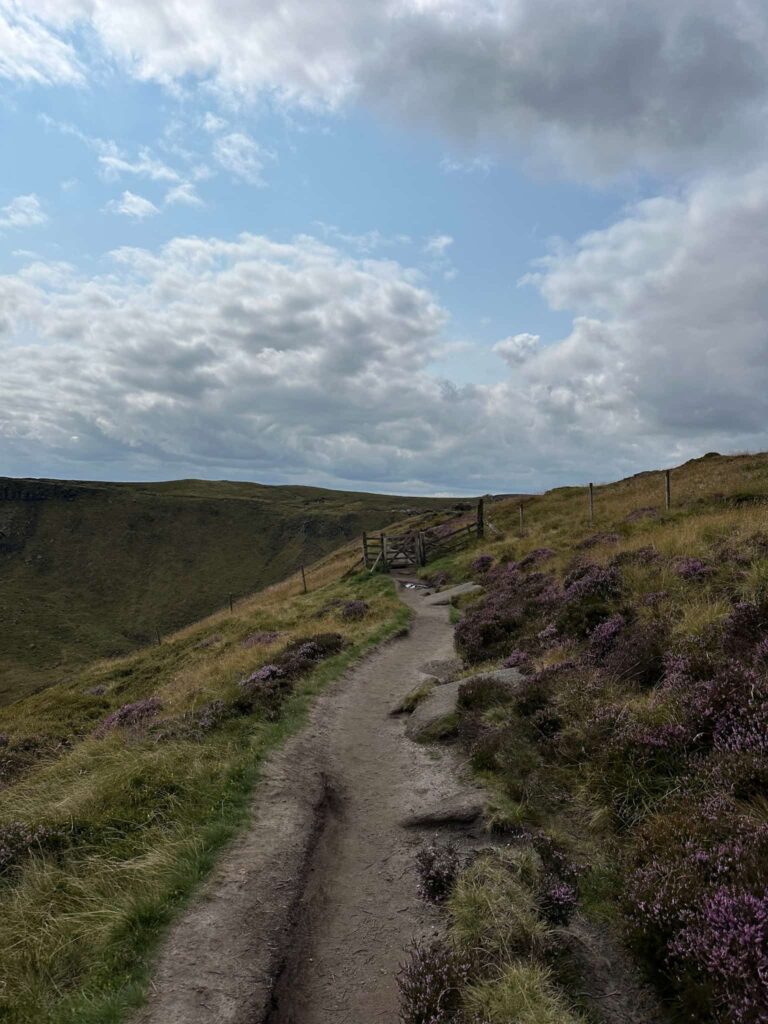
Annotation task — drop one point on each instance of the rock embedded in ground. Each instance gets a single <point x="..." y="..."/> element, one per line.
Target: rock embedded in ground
<point x="446" y="596"/>
<point x="444" y="671"/>
<point x="429" y="717"/>
<point x="461" y="810"/>
<point x="498" y="675"/>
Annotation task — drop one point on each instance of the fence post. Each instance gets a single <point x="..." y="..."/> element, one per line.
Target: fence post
<point x="422" y="549"/>
<point x="480" y="520"/>
<point x="365" y="549"/>
<point x="157" y="637"/>
<point x="303" y="579"/>
<point x="384" y="565"/>
<point x="522" y="519"/>
<point x="667" y="490"/>
<point x="230" y="604"/>
<point x="591" y="505"/>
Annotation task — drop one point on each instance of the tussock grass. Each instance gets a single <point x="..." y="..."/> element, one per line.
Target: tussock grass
<point x="523" y="993"/>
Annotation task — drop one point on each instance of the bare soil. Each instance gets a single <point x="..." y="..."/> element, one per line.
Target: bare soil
<point x="308" y="915"/>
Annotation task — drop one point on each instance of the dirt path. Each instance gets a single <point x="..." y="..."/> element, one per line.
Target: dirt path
<point x="307" y="917"/>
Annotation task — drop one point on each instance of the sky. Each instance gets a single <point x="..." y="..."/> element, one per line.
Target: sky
<point x="412" y="246"/>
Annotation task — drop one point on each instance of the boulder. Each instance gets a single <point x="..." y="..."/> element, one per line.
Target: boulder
<point x="443" y="670"/>
<point x="434" y="717"/>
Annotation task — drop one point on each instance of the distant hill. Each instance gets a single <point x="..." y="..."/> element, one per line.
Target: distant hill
<point x="89" y="570"/>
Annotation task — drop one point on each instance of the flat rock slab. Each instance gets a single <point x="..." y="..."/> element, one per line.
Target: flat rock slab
<point x="440" y="703"/>
<point x="443" y="671"/>
<point x="461" y="810"/>
<point x="446" y="596"/>
<point x="499" y="675"/>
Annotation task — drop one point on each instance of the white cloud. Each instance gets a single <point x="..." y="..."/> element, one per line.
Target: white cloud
<point x="213" y="124"/>
<point x="131" y="205"/>
<point x="241" y="156"/>
<point x="113" y="164"/>
<point x="31" y="52"/>
<point x="472" y="165"/>
<point x="596" y="85"/>
<point x="184" y="194"/>
<point x="22" y="212"/>
<point x="438" y="245"/>
<point x="518" y="348"/>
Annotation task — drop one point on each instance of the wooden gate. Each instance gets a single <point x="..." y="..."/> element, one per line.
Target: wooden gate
<point x="383" y="552"/>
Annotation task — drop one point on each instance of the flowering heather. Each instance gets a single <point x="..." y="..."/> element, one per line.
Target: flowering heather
<point x="431" y="981"/>
<point x="725" y="943"/>
<point x="517" y="659"/>
<point x="535" y="557"/>
<point x="438" y="867"/>
<point x="265" y="674"/>
<point x="603" y="637"/>
<point x="744" y="627"/>
<point x="636" y="556"/>
<point x="481" y="564"/>
<point x="548" y="635"/>
<point x="557" y="900"/>
<point x="354" y="611"/>
<point x="18" y="840"/>
<point x="598" y="538"/>
<point x="654" y="598"/>
<point x="129" y="716"/>
<point x="592" y="581"/>
<point x="4" y="739"/>
<point x="261" y="638"/>
<point x="690" y="568"/>
<point x="483" y="692"/>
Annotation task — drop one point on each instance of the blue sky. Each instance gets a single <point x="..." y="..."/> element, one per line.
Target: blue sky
<point x="348" y="306"/>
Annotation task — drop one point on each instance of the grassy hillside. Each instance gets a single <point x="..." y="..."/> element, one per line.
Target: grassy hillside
<point x="94" y="570"/>
<point x="628" y="774"/>
<point x="118" y="787"/>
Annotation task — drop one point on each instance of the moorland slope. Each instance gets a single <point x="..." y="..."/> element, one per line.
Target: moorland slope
<point x="91" y="570"/>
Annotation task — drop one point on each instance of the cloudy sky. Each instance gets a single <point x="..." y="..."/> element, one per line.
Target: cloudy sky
<point x="427" y="246"/>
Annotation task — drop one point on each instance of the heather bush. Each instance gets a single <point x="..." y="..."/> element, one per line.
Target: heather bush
<point x="482" y="692"/>
<point x="690" y="568"/>
<point x="18" y="840"/>
<point x="637" y="653"/>
<point x="481" y="564"/>
<point x="513" y="599"/>
<point x="437" y="866"/>
<point x="592" y="581"/>
<point x="723" y="951"/>
<point x="557" y="900"/>
<point x="517" y="659"/>
<point x="598" y="538"/>
<point x="431" y="981"/>
<point x="535" y="557"/>
<point x="133" y="716"/>
<point x="354" y="611"/>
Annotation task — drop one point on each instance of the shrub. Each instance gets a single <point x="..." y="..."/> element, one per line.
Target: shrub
<point x="535" y="557"/>
<point x="483" y="692"/>
<point x="431" y="981"/>
<point x="638" y="655"/>
<point x="18" y="840"/>
<point x="481" y="564"/>
<point x="604" y="636"/>
<point x="557" y="900"/>
<point x="592" y="581"/>
<point x="438" y="867"/>
<point x="598" y="538"/>
<point x="690" y="568"/>
<point x="517" y="659"/>
<point x="132" y="716"/>
<point x="354" y="611"/>
<point x="724" y="950"/>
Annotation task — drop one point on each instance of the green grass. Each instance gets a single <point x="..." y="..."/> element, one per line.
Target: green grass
<point x="95" y="570"/>
<point x="144" y="819"/>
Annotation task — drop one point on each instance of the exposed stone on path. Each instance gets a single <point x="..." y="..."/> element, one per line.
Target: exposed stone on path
<point x="446" y="596"/>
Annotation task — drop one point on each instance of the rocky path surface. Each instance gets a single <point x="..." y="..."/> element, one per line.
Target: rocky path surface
<point x="308" y="915"/>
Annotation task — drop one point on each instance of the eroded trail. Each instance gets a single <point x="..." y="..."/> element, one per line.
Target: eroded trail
<point x="306" y="919"/>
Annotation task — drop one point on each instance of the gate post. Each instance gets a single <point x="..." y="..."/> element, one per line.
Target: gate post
<point x="384" y="566"/>
<point x="480" y="520"/>
<point x="365" y="549"/>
